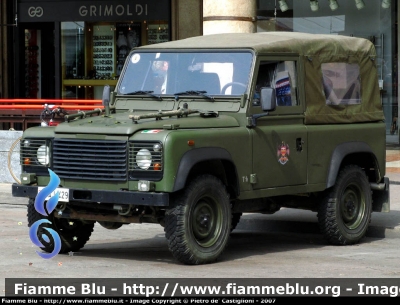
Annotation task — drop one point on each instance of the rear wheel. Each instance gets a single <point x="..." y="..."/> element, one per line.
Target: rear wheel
<point x="197" y="227"/>
<point x="73" y="233"/>
<point x="345" y="212"/>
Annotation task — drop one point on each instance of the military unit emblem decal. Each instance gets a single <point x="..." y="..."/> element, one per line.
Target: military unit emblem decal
<point x="283" y="153"/>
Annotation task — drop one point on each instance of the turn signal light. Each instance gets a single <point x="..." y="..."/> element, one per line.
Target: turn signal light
<point x="157" y="166"/>
<point x="27" y="161"/>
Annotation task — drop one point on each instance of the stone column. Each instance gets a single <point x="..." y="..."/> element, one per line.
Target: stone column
<point x="229" y="16"/>
<point x="186" y="19"/>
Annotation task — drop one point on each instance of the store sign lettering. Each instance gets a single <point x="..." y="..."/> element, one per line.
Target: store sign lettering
<point x="110" y="10"/>
<point x="93" y="11"/>
<point x="35" y="11"/>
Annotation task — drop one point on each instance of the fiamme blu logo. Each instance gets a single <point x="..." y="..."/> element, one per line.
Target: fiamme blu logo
<point x="45" y="208"/>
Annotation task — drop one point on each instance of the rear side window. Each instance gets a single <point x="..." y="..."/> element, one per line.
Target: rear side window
<point x="341" y="83"/>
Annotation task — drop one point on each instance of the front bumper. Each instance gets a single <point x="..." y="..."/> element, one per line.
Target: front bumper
<point x="101" y="196"/>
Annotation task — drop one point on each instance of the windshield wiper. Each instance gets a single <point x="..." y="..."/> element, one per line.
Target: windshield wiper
<point x="195" y="92"/>
<point x="141" y="92"/>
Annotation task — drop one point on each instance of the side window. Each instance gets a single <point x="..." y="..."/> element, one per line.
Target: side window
<point x="280" y="75"/>
<point x="341" y="83"/>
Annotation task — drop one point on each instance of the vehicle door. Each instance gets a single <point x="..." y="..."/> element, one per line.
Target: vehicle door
<point x="280" y="137"/>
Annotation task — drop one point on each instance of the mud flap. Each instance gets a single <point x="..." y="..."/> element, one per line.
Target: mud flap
<point x="381" y="198"/>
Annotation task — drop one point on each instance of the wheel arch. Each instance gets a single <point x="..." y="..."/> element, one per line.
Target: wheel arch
<point x="211" y="160"/>
<point x="358" y="153"/>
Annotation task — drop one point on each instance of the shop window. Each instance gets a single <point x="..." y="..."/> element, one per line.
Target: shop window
<point x="94" y="54"/>
<point x="32" y="63"/>
<point x="104" y="52"/>
<point x="157" y="32"/>
<point x="73" y="57"/>
<point x="127" y="37"/>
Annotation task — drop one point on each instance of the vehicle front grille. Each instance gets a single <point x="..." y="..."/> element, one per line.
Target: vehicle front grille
<point x="90" y="159"/>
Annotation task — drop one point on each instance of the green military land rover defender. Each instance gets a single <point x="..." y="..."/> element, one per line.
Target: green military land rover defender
<point x="200" y="130"/>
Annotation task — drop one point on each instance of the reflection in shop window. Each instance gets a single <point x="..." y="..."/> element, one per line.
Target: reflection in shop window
<point x="73" y="49"/>
<point x="73" y="56"/>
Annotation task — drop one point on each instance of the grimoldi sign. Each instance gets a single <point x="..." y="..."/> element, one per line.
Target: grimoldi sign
<point x="112" y="10"/>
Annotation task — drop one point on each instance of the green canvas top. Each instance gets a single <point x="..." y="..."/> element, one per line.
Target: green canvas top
<point x="314" y="50"/>
<point x="288" y="42"/>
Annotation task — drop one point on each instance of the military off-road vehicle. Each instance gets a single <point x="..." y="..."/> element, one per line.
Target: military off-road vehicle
<point x="198" y="131"/>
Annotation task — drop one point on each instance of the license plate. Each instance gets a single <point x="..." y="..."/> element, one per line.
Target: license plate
<point x="63" y="194"/>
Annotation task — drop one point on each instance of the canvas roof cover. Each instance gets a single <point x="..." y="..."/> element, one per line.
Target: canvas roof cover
<point x="313" y="49"/>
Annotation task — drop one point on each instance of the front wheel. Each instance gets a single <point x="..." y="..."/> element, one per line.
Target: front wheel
<point x="73" y="233"/>
<point x="197" y="227"/>
<point x="345" y="212"/>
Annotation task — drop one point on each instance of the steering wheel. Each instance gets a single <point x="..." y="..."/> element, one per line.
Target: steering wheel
<point x="230" y="84"/>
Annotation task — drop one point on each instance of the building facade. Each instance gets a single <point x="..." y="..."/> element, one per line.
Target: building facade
<point x="70" y="49"/>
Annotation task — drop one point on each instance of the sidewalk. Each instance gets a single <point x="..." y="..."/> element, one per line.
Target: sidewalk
<point x="7" y="198"/>
<point x="393" y="163"/>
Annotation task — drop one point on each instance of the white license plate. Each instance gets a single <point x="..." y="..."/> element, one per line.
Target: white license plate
<point x="63" y="194"/>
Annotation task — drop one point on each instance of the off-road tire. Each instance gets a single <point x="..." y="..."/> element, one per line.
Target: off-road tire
<point x="197" y="226"/>
<point x="345" y="212"/>
<point x="73" y="233"/>
<point x="235" y="220"/>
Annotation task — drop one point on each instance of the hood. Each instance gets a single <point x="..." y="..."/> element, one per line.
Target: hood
<point x="121" y="124"/>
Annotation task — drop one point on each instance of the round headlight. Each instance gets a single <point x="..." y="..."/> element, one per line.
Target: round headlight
<point x="143" y="158"/>
<point x="157" y="147"/>
<point x="43" y="155"/>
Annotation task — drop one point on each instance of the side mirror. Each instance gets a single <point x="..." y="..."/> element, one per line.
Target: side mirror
<point x="268" y="103"/>
<point x="268" y="99"/>
<point x="106" y="99"/>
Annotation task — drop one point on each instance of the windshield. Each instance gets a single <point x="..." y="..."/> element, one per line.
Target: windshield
<point x="194" y="73"/>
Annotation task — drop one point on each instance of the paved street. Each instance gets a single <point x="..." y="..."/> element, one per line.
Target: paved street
<point x="283" y="245"/>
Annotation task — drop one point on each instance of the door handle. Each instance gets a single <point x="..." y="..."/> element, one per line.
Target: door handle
<point x="299" y="144"/>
